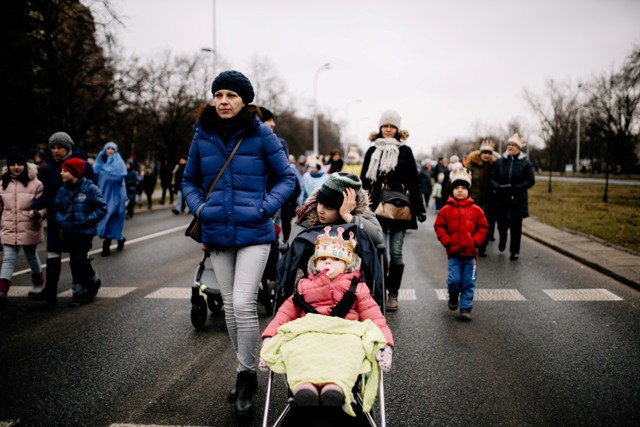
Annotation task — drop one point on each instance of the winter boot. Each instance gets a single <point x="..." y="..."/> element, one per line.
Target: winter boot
<point x="394" y="278"/>
<point x="37" y="282"/>
<point x="246" y="384"/>
<point x="50" y="291"/>
<point x="4" y="289"/>
<point x="121" y="245"/>
<point x="92" y="287"/>
<point x="106" y="249"/>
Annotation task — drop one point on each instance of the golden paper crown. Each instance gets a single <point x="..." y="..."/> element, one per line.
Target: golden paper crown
<point x="461" y="174"/>
<point x="487" y="145"/>
<point x="335" y="246"/>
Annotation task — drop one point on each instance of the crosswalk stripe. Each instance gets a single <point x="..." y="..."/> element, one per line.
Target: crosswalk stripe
<point x="407" y="294"/>
<point x="171" y="293"/>
<point x="488" y="295"/>
<point x="581" y="295"/>
<point x="105" y="292"/>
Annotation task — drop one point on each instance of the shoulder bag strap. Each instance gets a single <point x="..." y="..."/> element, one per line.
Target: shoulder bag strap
<point x="215" y="181"/>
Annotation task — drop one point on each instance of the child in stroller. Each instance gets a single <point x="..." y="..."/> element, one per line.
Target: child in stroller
<point x="315" y="339"/>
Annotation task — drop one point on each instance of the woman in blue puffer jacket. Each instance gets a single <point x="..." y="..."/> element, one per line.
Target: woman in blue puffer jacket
<point x="236" y="217"/>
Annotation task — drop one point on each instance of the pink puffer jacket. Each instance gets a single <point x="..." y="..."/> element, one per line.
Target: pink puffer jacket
<point x="16" y="228"/>
<point x="323" y="294"/>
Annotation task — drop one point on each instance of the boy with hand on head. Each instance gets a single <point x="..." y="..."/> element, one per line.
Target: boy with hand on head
<point x="461" y="227"/>
<point x="78" y="209"/>
<point x="332" y="290"/>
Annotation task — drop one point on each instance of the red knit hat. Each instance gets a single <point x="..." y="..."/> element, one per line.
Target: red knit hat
<point x="75" y="166"/>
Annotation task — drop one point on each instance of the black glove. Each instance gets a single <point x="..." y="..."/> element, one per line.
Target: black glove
<point x="422" y="217"/>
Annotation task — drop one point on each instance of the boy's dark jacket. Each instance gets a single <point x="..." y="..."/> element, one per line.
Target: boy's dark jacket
<point x="79" y="208"/>
<point x="461" y="227"/>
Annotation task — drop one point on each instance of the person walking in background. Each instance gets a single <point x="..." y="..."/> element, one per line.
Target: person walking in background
<point x="461" y="227"/>
<point x="313" y="178"/>
<point x="78" y="208"/>
<point x="149" y="185"/>
<point x="20" y="225"/>
<point x="111" y="170"/>
<point x="131" y="184"/>
<point x="353" y="165"/>
<point x="62" y="148"/>
<point x="436" y="193"/>
<point x="166" y="176"/>
<point x="389" y="165"/>
<point x="236" y="218"/>
<point x="479" y="163"/>
<point x="511" y="177"/>
<point x="425" y="180"/>
<point x="335" y="162"/>
<point x="40" y="160"/>
<point x="442" y="166"/>
<point x="178" y="172"/>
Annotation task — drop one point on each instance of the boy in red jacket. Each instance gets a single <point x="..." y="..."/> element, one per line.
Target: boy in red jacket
<point x="461" y="227"/>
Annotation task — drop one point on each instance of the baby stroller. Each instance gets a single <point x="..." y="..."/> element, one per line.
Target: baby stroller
<point x="206" y="284"/>
<point x="295" y="259"/>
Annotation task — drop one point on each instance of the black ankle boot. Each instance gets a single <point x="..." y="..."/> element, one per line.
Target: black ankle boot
<point x="106" y="250"/>
<point x="233" y="394"/>
<point x="246" y="384"/>
<point x="121" y="244"/>
<point x="50" y="291"/>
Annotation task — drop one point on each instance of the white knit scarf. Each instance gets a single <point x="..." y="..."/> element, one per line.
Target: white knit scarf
<point x="385" y="157"/>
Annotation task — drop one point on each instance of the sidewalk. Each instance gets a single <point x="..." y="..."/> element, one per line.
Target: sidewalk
<point x="621" y="265"/>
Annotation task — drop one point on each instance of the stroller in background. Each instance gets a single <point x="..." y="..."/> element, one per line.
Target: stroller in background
<point x="295" y="259"/>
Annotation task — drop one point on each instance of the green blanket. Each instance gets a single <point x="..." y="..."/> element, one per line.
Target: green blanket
<point x="323" y="349"/>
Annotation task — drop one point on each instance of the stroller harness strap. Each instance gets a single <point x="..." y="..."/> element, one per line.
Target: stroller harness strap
<point x="340" y="310"/>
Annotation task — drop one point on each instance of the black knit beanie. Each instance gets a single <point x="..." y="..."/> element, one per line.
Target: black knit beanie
<point x="266" y="114"/>
<point x="16" y="157"/>
<point x="331" y="192"/>
<point x="236" y="82"/>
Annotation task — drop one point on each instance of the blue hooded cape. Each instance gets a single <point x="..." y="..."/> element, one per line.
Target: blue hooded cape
<point x="111" y="175"/>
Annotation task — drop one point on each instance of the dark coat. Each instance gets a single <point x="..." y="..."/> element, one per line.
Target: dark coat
<point x="79" y="208"/>
<point x="511" y="177"/>
<point x="481" y="190"/>
<point x="403" y="178"/>
<point x="239" y="210"/>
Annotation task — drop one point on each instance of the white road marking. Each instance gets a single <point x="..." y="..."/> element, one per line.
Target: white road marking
<point x="581" y="295"/>
<point x="488" y="295"/>
<point x="106" y="292"/>
<point x="114" y="246"/>
<point x="407" y="295"/>
<point x="145" y="425"/>
<point x="171" y="293"/>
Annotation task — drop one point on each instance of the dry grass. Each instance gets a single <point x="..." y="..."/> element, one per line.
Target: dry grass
<point x="579" y="206"/>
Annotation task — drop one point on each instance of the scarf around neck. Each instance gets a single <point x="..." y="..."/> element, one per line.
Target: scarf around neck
<point x="385" y="157"/>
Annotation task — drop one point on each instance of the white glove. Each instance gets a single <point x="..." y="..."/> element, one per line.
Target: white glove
<point x="384" y="358"/>
<point x="262" y="365"/>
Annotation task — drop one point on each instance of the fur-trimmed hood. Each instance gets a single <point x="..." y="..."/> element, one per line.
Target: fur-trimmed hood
<point x="32" y="171"/>
<point x="308" y="212"/>
<point x="476" y="158"/>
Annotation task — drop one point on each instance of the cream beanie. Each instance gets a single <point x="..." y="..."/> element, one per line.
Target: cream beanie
<point x="390" y="117"/>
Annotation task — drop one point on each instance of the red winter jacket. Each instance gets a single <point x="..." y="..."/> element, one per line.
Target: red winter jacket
<point x="323" y="294"/>
<point x="461" y="227"/>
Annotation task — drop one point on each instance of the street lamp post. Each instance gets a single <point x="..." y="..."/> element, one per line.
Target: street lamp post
<point x="346" y="115"/>
<point x="578" y="134"/>
<point x="326" y="66"/>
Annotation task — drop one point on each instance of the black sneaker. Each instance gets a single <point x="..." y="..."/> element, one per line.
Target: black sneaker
<point x="514" y="257"/>
<point x="502" y="245"/>
<point x="76" y="301"/>
<point x="482" y="254"/>
<point x="453" y="302"/>
<point x="465" y="315"/>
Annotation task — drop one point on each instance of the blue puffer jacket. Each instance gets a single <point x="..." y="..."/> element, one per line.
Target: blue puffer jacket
<point x="238" y="212"/>
<point x="79" y="208"/>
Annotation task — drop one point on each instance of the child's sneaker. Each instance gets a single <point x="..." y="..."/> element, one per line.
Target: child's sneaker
<point x="453" y="301"/>
<point x="465" y="315"/>
<point x="306" y="394"/>
<point x="76" y="301"/>
<point x="332" y="395"/>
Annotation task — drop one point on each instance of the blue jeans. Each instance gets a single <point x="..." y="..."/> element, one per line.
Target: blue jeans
<point x="394" y="240"/>
<point x="462" y="280"/>
<point x="10" y="256"/>
<point x="239" y="272"/>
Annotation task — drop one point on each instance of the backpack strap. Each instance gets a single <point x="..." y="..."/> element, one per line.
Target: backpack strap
<point x="340" y="310"/>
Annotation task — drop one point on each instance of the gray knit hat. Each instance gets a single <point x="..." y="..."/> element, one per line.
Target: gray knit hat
<point x="390" y="117"/>
<point x="62" y="139"/>
<point x="236" y="82"/>
<point x="330" y="193"/>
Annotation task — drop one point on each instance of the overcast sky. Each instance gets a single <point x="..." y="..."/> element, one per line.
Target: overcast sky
<point x="445" y="66"/>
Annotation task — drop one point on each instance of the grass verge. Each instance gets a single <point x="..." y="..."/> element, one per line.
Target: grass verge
<point x="579" y="207"/>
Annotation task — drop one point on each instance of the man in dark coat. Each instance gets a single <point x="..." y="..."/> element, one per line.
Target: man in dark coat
<point x="480" y="163"/>
<point x="166" y="176"/>
<point x="511" y="177"/>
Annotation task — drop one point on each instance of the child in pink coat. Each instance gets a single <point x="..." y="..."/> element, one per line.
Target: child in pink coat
<point x="20" y="226"/>
<point x="332" y="269"/>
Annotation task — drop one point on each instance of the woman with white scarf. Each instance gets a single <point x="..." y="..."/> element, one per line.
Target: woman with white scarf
<point x="389" y="162"/>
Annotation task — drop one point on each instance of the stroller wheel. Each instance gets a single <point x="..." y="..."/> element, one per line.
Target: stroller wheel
<point x="199" y="312"/>
<point x="266" y="297"/>
<point x="215" y="303"/>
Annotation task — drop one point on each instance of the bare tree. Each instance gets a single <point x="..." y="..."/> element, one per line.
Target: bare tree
<point x="556" y="111"/>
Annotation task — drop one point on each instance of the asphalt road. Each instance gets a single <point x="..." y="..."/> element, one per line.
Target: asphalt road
<point x="133" y="357"/>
